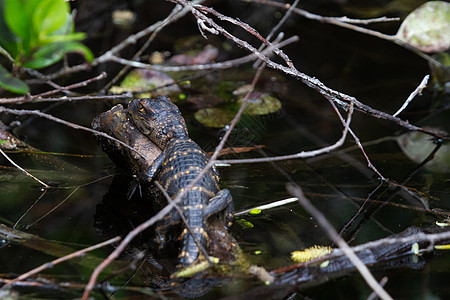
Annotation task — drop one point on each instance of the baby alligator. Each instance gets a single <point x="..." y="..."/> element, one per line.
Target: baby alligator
<point x="175" y="168"/>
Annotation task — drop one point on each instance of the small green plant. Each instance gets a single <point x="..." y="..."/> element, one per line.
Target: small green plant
<point x="36" y="34"/>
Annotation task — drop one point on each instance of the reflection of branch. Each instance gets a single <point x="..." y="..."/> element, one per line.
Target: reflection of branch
<point x="358" y="143"/>
<point x="296" y="191"/>
<point x="60" y="260"/>
<point x="54" y="208"/>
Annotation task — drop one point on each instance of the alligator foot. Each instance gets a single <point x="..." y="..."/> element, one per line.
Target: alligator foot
<point x="221" y="202"/>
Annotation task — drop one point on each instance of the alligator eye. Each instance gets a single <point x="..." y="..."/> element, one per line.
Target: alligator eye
<point x="141" y="108"/>
<point x="148" y="112"/>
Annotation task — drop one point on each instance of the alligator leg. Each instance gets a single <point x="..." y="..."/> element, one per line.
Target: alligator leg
<point x="221" y="202"/>
<point x="148" y="175"/>
<point x="171" y="219"/>
<point x="153" y="169"/>
<point x="134" y="186"/>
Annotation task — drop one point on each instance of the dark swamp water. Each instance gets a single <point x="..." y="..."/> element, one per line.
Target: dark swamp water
<point x="94" y="206"/>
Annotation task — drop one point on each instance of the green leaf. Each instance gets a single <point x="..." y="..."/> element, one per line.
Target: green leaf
<point x="52" y="53"/>
<point x="63" y="38"/>
<point x="18" y="14"/>
<point x="255" y="211"/>
<point x="8" y="40"/>
<point x="260" y="104"/>
<point x="49" y="16"/>
<point x="12" y="84"/>
<point x="44" y="57"/>
<point x="427" y="28"/>
<point x="37" y="33"/>
<point x="214" y="117"/>
<point x="75" y="47"/>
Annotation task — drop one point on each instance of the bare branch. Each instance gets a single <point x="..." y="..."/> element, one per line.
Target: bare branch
<point x="86" y="97"/>
<point x="348" y="23"/>
<point x="296" y="191"/>
<point x="185" y="221"/>
<point x="29" y="98"/>
<point x="69" y="124"/>
<point x="213" y="66"/>
<point x="268" y="206"/>
<point x="177" y="13"/>
<point x="339" y="98"/>
<point x="303" y="154"/>
<point x="418" y="90"/>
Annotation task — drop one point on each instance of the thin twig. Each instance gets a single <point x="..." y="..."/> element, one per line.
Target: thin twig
<point x="69" y="124"/>
<point x="296" y="191"/>
<point x="267" y="206"/>
<point x="339" y="98"/>
<point x="173" y="16"/>
<point x="373" y="295"/>
<point x="418" y="90"/>
<point x="348" y="23"/>
<point x="275" y="29"/>
<point x="282" y="21"/>
<point x="29" y="208"/>
<point x="358" y="143"/>
<point x="72" y="86"/>
<point x="28" y="98"/>
<point x="53" y="208"/>
<point x="185" y="221"/>
<point x="130" y="40"/>
<point x="23" y="170"/>
<point x="302" y="154"/>
<point x="84" y="98"/>
<point x="212" y="66"/>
